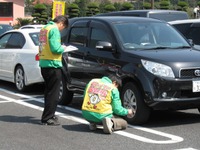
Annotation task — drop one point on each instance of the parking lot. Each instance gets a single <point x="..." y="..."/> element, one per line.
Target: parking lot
<point x="20" y="128"/>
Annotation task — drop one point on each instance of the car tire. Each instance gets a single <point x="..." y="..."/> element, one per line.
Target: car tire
<point x="132" y="98"/>
<point x="65" y="96"/>
<point x="20" y="79"/>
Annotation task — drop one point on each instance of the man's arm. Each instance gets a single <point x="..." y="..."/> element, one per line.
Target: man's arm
<point x="55" y="41"/>
<point x="117" y="107"/>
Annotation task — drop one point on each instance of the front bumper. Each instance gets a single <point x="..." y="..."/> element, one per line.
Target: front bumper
<point x="173" y="94"/>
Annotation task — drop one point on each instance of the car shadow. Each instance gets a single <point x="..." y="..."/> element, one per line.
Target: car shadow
<point x="81" y="128"/>
<point x="172" y="118"/>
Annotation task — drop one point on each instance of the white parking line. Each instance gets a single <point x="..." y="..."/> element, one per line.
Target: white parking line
<point x="186" y="149"/>
<point x="4" y="101"/>
<point x="172" y="138"/>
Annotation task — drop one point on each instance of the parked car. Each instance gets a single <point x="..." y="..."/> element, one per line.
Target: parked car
<point x="166" y="15"/>
<point x="190" y="28"/>
<point x="4" y="28"/>
<point x="35" y="26"/>
<point x="158" y="67"/>
<point x="18" y="58"/>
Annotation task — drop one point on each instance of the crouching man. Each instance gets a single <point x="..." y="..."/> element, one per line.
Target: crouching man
<point x="102" y="104"/>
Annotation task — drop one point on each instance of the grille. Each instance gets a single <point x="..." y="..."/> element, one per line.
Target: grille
<point x="188" y="73"/>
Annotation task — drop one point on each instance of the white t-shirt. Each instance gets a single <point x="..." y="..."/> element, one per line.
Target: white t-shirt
<point x="196" y="9"/>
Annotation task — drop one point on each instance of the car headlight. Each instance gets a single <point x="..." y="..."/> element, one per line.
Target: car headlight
<point x="158" y="69"/>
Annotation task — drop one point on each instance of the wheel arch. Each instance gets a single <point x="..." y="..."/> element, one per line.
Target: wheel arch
<point x="134" y="81"/>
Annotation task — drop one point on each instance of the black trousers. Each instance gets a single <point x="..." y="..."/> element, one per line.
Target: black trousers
<point x="52" y="78"/>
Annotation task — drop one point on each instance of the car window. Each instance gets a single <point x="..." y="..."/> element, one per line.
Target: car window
<point x="149" y="35"/>
<point x="194" y="35"/>
<point x="16" y="40"/>
<point x="4" y="28"/>
<point x="63" y="34"/>
<point x="78" y="36"/>
<point x="183" y="28"/>
<point x="35" y="38"/>
<point x="98" y="35"/>
<point x="4" y="40"/>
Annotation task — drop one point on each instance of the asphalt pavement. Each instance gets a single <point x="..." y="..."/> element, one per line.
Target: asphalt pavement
<point x="21" y="129"/>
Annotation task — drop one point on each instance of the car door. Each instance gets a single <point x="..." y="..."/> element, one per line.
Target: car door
<point x="77" y="38"/>
<point x="98" y="63"/>
<point x="3" y="42"/>
<point x="12" y="50"/>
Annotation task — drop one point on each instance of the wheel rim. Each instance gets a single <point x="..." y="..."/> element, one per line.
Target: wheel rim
<point x="19" y="79"/>
<point x="129" y="100"/>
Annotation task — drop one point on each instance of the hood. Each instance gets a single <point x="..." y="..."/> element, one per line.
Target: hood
<point x="172" y="57"/>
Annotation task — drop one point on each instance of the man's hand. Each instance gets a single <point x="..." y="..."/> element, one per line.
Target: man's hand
<point x="130" y="113"/>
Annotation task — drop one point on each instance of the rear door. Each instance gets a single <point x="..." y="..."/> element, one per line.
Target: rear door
<point x="11" y="52"/>
<point x="3" y="42"/>
<point x="77" y="37"/>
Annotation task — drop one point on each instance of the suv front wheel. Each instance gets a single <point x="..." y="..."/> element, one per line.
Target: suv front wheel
<point x="132" y="98"/>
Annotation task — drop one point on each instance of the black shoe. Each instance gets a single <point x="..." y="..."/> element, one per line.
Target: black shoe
<point x="55" y="118"/>
<point x="51" y="122"/>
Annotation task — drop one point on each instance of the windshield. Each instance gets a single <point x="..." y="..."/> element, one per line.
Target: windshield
<point x="135" y="36"/>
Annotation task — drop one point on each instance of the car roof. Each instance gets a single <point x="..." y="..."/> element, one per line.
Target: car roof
<point x="115" y="19"/>
<point x="184" y="21"/>
<point x="35" y="26"/>
<point x="166" y="15"/>
<point x="152" y="10"/>
<point x="144" y="11"/>
<point x="27" y="31"/>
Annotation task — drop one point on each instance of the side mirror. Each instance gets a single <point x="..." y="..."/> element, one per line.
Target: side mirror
<point x="104" y="46"/>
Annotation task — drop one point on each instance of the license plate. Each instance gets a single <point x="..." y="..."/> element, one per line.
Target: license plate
<point x="196" y="86"/>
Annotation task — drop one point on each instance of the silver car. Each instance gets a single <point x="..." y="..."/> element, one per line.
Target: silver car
<point x="19" y="58"/>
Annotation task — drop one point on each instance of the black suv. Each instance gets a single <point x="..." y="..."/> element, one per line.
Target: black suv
<point x="158" y="67"/>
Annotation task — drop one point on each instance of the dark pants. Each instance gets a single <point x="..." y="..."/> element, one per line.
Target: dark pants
<point x="52" y="78"/>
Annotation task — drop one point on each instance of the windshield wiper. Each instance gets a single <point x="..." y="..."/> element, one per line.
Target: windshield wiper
<point x="159" y="47"/>
<point x="165" y="47"/>
<point x="182" y="47"/>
